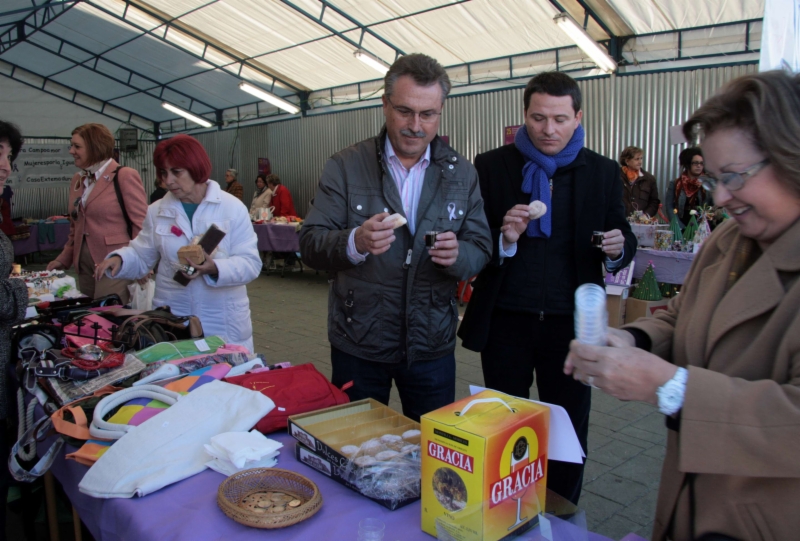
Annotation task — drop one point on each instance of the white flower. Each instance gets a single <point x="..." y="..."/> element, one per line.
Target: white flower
<point x="693" y="212"/>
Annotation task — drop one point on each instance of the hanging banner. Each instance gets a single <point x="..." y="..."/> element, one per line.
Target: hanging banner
<point x="42" y="166"/>
<point x="509" y="132"/>
<point x="780" y="47"/>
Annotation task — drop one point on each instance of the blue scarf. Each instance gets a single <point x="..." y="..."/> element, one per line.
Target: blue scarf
<point x="537" y="172"/>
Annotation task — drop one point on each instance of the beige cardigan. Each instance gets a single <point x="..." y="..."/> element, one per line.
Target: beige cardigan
<point x="261" y="201"/>
<point x="740" y="423"/>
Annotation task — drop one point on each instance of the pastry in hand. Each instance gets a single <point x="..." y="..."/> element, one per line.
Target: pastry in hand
<point x="396" y="219"/>
<point x="536" y="210"/>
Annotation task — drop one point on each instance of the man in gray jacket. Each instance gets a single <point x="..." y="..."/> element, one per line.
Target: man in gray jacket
<point x="392" y="311"/>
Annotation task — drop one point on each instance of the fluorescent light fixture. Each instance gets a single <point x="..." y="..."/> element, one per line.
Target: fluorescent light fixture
<point x="589" y="46"/>
<point x="372" y="61"/>
<point x="186" y="114"/>
<point x="269" y="97"/>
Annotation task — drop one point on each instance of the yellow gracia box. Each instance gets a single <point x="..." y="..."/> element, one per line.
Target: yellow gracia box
<point x="484" y="466"/>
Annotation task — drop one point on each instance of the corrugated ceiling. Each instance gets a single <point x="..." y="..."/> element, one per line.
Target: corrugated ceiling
<point x="136" y="53"/>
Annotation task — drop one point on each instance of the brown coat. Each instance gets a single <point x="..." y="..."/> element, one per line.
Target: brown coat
<point x="740" y="423"/>
<point x="102" y="223"/>
<point x="641" y="195"/>
<point x="236" y="190"/>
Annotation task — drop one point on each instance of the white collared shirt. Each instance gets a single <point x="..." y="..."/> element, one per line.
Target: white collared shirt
<point x="87" y="187"/>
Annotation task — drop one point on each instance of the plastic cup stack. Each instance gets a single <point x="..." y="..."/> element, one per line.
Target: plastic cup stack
<point x="370" y="529"/>
<point x="591" y="316"/>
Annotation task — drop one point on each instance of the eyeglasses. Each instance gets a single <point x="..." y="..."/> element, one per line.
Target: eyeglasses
<point x="732" y="181"/>
<point x="426" y="117"/>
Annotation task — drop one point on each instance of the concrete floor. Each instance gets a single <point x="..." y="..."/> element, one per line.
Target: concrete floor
<point x="626" y="439"/>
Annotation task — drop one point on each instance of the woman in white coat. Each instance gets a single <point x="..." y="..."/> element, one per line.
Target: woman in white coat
<point x="261" y="198"/>
<point x="217" y="292"/>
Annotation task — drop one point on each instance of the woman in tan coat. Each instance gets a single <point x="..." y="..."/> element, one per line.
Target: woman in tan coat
<point x="723" y="361"/>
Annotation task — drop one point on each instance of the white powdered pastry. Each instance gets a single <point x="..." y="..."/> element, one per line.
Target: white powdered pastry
<point x="372" y="447"/>
<point x="537" y="209"/>
<point x="350" y="449"/>
<point x="390" y="438"/>
<point x="410" y="448"/>
<point x="397" y="220"/>
<point x="365" y="461"/>
<point x="408" y="434"/>
<point x="386" y="455"/>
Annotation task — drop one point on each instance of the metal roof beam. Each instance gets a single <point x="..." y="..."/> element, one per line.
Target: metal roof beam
<point x="91" y="64"/>
<point x="35" y="8"/>
<point x="170" y="22"/>
<point x="330" y="29"/>
<point x="40" y="17"/>
<point x="75" y="94"/>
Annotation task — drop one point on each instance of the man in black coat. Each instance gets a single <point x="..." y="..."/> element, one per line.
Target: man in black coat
<point x="520" y="317"/>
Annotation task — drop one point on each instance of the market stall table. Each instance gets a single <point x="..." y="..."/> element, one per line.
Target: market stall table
<point x="670" y="267"/>
<point x="188" y="510"/>
<point x="31" y="245"/>
<point x="277" y="237"/>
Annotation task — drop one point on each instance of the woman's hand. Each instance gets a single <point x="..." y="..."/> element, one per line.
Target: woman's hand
<point x="208" y="267"/>
<point x="55" y="265"/>
<point x="146" y="278"/>
<point x="626" y="339"/>
<point x="113" y="264"/>
<point x="624" y="372"/>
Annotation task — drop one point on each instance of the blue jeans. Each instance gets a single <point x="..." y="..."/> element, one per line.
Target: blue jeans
<point x="423" y="386"/>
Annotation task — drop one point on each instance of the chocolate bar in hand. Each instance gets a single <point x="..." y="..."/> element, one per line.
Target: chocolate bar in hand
<point x="209" y="243"/>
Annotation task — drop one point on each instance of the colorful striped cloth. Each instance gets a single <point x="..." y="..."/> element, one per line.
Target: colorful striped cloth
<point x="139" y="410"/>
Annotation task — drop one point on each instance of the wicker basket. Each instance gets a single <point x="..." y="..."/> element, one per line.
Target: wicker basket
<point x="238" y="486"/>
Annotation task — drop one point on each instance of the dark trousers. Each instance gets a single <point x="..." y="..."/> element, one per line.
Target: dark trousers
<point x="520" y="344"/>
<point x="423" y="386"/>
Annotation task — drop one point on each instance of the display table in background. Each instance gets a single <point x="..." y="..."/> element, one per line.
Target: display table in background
<point x="188" y="510"/>
<point x="277" y="237"/>
<point x="670" y="267"/>
<point x="31" y="245"/>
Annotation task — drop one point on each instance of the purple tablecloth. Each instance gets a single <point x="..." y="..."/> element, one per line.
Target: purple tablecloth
<point x="188" y="510"/>
<point x="277" y="238"/>
<point x="670" y="267"/>
<point x="31" y="244"/>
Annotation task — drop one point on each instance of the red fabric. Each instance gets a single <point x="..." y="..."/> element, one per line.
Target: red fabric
<point x="297" y="389"/>
<point x="465" y="289"/>
<point x="687" y="184"/>
<point x="282" y="201"/>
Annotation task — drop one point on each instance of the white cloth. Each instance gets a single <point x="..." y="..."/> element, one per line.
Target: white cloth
<point x="225" y="467"/>
<point x="261" y="201"/>
<point x="222" y="304"/>
<point x="240" y="447"/>
<point x="168" y="447"/>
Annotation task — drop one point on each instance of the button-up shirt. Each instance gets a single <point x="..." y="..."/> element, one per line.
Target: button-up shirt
<point x="409" y="184"/>
<point x="97" y="171"/>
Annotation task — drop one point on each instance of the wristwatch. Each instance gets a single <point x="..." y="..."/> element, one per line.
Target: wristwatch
<point x="670" y="395"/>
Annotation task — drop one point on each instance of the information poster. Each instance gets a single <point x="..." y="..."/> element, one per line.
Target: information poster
<point x="42" y="166"/>
<point x="264" y="167"/>
<point x="509" y="132"/>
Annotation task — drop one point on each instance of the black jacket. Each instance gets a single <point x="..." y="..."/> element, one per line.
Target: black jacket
<point x="597" y="207"/>
<point x="396" y="306"/>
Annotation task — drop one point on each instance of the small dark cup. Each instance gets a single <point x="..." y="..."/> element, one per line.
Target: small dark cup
<point x="597" y="239"/>
<point x="430" y="239"/>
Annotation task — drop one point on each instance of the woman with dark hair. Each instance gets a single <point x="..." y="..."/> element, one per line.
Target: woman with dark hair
<point x="108" y="204"/>
<point x="262" y="197"/>
<point x="722" y="363"/>
<point x="13" y="301"/>
<point x="686" y="193"/>
<point x="216" y="292"/>
<point x="639" y="188"/>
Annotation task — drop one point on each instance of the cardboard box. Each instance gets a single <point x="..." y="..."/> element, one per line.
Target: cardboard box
<point x="635" y="308"/>
<point x="484" y="467"/>
<point x="323" y="433"/>
<point x="616" y="304"/>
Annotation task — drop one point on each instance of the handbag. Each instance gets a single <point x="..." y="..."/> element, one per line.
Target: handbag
<point x="155" y="326"/>
<point x="294" y="390"/>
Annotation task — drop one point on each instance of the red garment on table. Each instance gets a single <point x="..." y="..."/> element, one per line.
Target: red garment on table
<point x="282" y="201"/>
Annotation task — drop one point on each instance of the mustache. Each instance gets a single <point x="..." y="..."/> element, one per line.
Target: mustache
<point x="409" y="133"/>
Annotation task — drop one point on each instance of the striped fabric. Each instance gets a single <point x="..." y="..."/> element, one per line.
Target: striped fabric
<point x="409" y="181"/>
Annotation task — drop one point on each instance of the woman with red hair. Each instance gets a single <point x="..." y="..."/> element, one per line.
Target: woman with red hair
<point x="107" y="207"/>
<point x="216" y="292"/>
